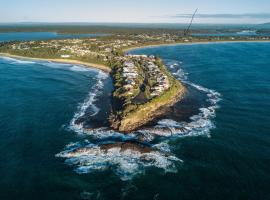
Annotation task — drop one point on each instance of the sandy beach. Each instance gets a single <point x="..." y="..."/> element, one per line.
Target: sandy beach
<point x="190" y="43"/>
<point x="108" y="69"/>
<point x="68" y="61"/>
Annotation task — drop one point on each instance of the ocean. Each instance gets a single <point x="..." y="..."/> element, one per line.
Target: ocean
<point x="214" y="144"/>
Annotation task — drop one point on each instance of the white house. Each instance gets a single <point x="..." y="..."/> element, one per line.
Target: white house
<point x="65" y="56"/>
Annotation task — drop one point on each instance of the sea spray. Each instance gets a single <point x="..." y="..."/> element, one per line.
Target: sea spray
<point x="125" y="162"/>
<point x="17" y="61"/>
<point x="87" y="157"/>
<point x="88" y="103"/>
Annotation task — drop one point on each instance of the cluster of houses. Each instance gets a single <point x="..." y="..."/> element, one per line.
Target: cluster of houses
<point x="130" y="73"/>
<point x="158" y="37"/>
<point x="150" y="71"/>
<point x="153" y="71"/>
<point x="117" y="44"/>
<point x="92" y="47"/>
<point x="161" y="80"/>
<point x="20" y="46"/>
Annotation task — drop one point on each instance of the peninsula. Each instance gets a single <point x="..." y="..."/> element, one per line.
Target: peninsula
<point x="143" y="86"/>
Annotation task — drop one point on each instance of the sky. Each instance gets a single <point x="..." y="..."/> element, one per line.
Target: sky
<point x="135" y="11"/>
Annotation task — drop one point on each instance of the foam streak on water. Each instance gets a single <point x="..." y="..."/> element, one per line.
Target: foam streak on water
<point x="17" y="61"/>
<point x="127" y="163"/>
<point x="88" y="157"/>
<point x="88" y="103"/>
<point x="199" y="124"/>
<point x="56" y="65"/>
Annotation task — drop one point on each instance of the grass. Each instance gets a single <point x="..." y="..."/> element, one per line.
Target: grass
<point x="133" y="115"/>
<point x="145" y="112"/>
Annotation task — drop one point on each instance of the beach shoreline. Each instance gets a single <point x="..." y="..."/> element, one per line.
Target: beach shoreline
<point x="192" y="43"/>
<point x="104" y="68"/>
<point x="131" y="123"/>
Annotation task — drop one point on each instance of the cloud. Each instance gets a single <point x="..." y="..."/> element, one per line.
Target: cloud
<point x="226" y="16"/>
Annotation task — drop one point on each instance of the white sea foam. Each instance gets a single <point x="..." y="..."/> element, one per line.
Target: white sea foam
<point x="163" y="146"/>
<point x="126" y="163"/>
<point x="181" y="74"/>
<point x="24" y="62"/>
<point x="105" y="133"/>
<point x="55" y="65"/>
<point x="67" y="66"/>
<point x="88" y="157"/>
<point x="49" y="64"/>
<point x="40" y="62"/>
<point x="199" y="124"/>
<point x="78" y="68"/>
<point x="173" y="63"/>
<point x="17" y="61"/>
<point x="88" y="103"/>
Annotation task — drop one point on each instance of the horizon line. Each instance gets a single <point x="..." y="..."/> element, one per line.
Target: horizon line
<point x="82" y="22"/>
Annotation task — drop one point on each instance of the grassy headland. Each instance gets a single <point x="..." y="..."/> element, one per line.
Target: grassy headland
<point x="143" y="85"/>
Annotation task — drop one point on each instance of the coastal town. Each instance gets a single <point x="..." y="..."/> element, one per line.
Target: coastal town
<point x="142" y="84"/>
<point x="92" y="48"/>
<point x="157" y="81"/>
<point x="140" y="71"/>
<point x="104" y="49"/>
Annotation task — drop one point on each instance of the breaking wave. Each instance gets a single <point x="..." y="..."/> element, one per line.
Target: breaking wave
<point x="79" y="68"/>
<point x="199" y="124"/>
<point x="67" y="66"/>
<point x="56" y="65"/>
<point x="89" y="157"/>
<point x="88" y="104"/>
<point x="126" y="163"/>
<point x="107" y="133"/>
<point x="17" y="61"/>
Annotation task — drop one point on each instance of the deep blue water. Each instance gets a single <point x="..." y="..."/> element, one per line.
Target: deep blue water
<point x="234" y="163"/>
<point x="24" y="36"/>
<point x="225" y="34"/>
<point x="232" y="34"/>
<point x="38" y="101"/>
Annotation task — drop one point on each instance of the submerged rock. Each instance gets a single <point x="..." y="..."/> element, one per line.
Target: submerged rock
<point x="126" y="159"/>
<point x="124" y="146"/>
<point x="165" y="131"/>
<point x="121" y="146"/>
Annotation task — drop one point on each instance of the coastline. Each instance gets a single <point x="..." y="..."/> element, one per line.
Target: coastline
<point x="104" y="68"/>
<point x="152" y="109"/>
<point x="107" y="69"/>
<point x="133" y="121"/>
<point x="126" y="50"/>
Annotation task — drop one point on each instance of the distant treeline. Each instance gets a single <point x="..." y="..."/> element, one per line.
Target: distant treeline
<point x="122" y="28"/>
<point x="80" y="29"/>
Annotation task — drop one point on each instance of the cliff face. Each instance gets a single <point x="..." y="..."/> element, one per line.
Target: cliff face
<point x="136" y="120"/>
<point x="149" y="111"/>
